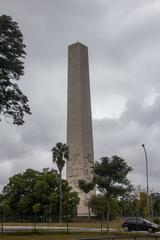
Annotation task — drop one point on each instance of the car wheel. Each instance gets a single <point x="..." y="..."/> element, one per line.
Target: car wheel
<point x="150" y="230"/>
<point x="125" y="229"/>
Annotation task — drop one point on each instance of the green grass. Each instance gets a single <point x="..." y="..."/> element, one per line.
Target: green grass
<point x="54" y="236"/>
<point x="63" y="236"/>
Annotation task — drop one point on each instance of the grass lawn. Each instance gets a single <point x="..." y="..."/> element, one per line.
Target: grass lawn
<point x="55" y="236"/>
<point x="71" y="236"/>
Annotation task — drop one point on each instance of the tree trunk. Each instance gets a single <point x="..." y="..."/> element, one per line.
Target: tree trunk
<point x="60" y="196"/>
<point x="50" y="210"/>
<point x="108" y="213"/>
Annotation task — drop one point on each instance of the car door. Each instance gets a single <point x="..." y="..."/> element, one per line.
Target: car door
<point x="133" y="223"/>
<point x="142" y="225"/>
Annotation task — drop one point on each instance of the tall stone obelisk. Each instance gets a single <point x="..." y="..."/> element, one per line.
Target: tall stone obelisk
<point x="79" y="123"/>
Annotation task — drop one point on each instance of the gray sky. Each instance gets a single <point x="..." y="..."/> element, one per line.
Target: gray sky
<point x="123" y="38"/>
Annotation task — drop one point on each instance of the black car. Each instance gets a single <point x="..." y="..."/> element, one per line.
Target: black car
<point x="139" y="224"/>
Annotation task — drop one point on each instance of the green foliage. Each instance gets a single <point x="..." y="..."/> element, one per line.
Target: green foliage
<point x="156" y="220"/>
<point x="13" y="103"/>
<point x="60" y="154"/>
<point x="155" y="199"/>
<point x="99" y="206"/>
<point x="110" y="176"/>
<point x="136" y="204"/>
<point x="143" y="204"/>
<point x="69" y="200"/>
<point x="37" y="207"/>
<point x="86" y="187"/>
<point x="37" y="192"/>
<point x="128" y="206"/>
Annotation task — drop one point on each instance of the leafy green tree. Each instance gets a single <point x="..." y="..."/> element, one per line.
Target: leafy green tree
<point x="98" y="204"/>
<point x="138" y="202"/>
<point x="60" y="154"/>
<point x="155" y="200"/>
<point x="69" y="200"/>
<point x="143" y="208"/>
<point x="110" y="177"/>
<point x="129" y="205"/>
<point x="37" y="192"/>
<point x="13" y="103"/>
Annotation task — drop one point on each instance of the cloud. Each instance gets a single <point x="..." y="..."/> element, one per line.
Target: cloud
<point x="123" y="40"/>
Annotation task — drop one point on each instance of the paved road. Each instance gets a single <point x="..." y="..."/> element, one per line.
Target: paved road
<point x="50" y="229"/>
<point x="56" y="229"/>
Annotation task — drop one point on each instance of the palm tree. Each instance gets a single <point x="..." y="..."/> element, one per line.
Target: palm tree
<point x="60" y="154"/>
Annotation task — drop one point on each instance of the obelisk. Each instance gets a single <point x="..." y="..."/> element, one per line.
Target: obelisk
<point x="79" y="123"/>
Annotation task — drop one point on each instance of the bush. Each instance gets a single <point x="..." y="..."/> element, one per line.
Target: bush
<point x="156" y="220"/>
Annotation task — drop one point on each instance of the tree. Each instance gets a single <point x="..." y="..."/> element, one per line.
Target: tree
<point x="110" y="177"/>
<point x="98" y="204"/>
<point x="35" y="192"/>
<point x="13" y="103"/>
<point x="60" y="154"/>
<point x="70" y="200"/>
<point x="143" y="204"/>
<point x="155" y="200"/>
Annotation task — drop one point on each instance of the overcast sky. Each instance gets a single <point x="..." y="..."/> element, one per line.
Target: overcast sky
<point x="123" y="39"/>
